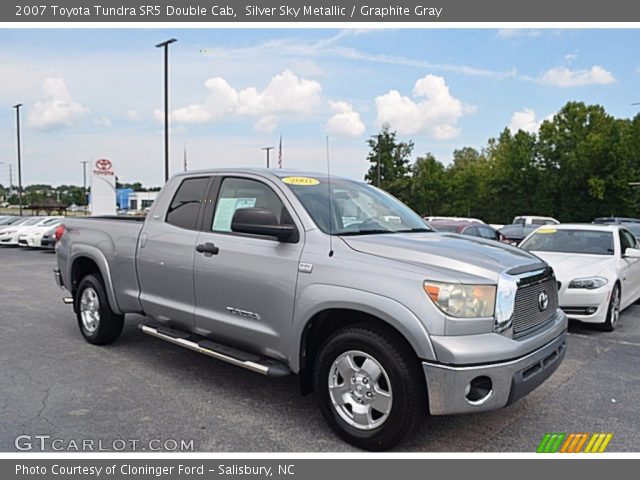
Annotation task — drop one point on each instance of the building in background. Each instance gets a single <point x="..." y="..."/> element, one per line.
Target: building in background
<point x="139" y="201"/>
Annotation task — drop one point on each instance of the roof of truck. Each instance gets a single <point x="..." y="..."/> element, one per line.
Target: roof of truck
<point x="274" y="172"/>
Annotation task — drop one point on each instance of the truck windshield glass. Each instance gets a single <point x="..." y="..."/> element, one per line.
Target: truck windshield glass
<point x="588" y="242"/>
<point x="358" y="208"/>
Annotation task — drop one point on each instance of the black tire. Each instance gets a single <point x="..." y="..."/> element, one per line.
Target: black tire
<point x="408" y="387"/>
<point x="109" y="324"/>
<point x="613" y="318"/>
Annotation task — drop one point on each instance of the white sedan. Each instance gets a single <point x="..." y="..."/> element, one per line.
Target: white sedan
<point x="597" y="268"/>
<point x="9" y="235"/>
<point x="32" y="237"/>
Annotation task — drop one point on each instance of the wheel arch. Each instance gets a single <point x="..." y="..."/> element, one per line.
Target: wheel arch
<point x="87" y="262"/>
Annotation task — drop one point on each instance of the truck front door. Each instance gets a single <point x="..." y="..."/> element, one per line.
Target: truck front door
<point x="245" y="284"/>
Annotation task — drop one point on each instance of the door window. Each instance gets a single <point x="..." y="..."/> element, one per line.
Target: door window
<point x="184" y="208"/>
<point x="627" y="241"/>
<point x="488" y="233"/>
<point x="236" y="193"/>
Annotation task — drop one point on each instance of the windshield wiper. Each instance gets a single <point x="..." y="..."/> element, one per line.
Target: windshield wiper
<point x="367" y="232"/>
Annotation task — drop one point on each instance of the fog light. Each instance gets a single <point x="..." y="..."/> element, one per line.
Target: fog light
<point x="591" y="310"/>
<point x="478" y="390"/>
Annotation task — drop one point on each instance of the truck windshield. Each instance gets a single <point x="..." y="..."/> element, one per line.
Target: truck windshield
<point x="358" y="208"/>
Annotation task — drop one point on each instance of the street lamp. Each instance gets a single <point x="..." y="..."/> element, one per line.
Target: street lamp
<point x="165" y="45"/>
<point x="268" y="149"/>
<point x="17" y="107"/>
<point x="84" y="183"/>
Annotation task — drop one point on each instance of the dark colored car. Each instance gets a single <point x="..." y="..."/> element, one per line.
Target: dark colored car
<point x="49" y="239"/>
<point x="473" y="229"/>
<point x="631" y="224"/>
<point x="514" y="234"/>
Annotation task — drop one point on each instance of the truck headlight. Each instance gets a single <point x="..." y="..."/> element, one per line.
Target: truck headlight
<point x="589" y="283"/>
<point x="463" y="301"/>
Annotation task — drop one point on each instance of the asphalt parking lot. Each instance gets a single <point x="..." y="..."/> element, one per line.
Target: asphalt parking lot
<point x="54" y="383"/>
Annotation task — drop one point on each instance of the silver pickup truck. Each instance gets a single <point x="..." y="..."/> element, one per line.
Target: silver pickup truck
<point x="283" y="272"/>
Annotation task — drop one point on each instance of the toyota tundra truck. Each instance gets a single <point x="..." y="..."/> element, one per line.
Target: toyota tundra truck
<point x="282" y="272"/>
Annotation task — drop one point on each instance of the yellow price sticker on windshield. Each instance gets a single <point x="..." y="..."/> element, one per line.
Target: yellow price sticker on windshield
<point x="306" y="181"/>
<point x="546" y="230"/>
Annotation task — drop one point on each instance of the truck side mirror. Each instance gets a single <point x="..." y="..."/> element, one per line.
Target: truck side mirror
<point x="262" y="221"/>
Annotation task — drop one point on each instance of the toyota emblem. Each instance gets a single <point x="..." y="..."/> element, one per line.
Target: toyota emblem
<point x="103" y="164"/>
<point x="543" y="301"/>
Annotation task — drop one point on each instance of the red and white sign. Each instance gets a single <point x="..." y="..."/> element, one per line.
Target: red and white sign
<point x="103" y="167"/>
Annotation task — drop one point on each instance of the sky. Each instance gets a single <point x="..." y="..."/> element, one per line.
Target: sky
<point x="98" y="93"/>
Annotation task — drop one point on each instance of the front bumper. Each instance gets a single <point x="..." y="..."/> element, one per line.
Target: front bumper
<point x="448" y="385"/>
<point x="575" y="302"/>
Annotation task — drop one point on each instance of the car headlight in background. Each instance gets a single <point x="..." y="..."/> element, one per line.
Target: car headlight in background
<point x="589" y="283"/>
<point x="463" y="301"/>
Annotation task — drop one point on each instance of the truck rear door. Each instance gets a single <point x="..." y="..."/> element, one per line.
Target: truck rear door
<point x="245" y="284"/>
<point x="166" y="254"/>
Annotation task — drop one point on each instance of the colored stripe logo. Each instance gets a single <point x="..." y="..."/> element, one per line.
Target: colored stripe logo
<point x="574" y="443"/>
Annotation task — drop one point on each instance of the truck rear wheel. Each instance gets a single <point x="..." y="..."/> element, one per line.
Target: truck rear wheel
<point x="98" y="323"/>
<point x="370" y="387"/>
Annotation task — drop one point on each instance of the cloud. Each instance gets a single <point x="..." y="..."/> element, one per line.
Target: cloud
<point x="56" y="108"/>
<point x="133" y="116"/>
<point x="267" y="124"/>
<point x="563" y="77"/>
<point x="524" y="120"/>
<point x="434" y="111"/>
<point x="286" y="93"/>
<point x="102" y="122"/>
<point x="345" y="122"/>
<point x="527" y="121"/>
<point x="510" y="33"/>
<point x="569" y="58"/>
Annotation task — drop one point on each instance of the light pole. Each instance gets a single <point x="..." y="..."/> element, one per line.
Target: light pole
<point x="84" y="183"/>
<point x="268" y="149"/>
<point x="165" y="45"/>
<point x="17" y="107"/>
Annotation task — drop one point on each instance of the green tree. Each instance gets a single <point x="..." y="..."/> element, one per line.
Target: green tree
<point x="394" y="157"/>
<point x="429" y="186"/>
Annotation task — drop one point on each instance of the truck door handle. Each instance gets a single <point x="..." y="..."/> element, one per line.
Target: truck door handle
<point x="207" y="248"/>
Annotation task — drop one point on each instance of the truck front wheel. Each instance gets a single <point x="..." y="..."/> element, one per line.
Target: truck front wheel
<point x="98" y="323"/>
<point x="370" y="387"/>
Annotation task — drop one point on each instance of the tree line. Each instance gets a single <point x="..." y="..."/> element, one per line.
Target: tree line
<point x="581" y="164"/>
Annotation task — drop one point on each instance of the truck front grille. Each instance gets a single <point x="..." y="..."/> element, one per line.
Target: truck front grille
<point x="528" y="312"/>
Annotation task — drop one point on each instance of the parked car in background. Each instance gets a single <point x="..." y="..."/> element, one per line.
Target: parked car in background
<point x="597" y="267"/>
<point x="13" y="222"/>
<point x="534" y="220"/>
<point x="49" y="239"/>
<point x="631" y="224"/>
<point x="473" y="229"/>
<point x="607" y="220"/>
<point x="9" y="236"/>
<point x="454" y="219"/>
<point x="514" y="234"/>
<point x="32" y="237"/>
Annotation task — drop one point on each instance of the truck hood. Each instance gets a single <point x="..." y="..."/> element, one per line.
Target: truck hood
<point x="464" y="257"/>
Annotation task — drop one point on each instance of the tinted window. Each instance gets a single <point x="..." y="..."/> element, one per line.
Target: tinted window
<point x="488" y="233"/>
<point x="473" y="231"/>
<point x="238" y="193"/>
<point x="547" y="239"/>
<point x="518" y="221"/>
<point x="184" y="208"/>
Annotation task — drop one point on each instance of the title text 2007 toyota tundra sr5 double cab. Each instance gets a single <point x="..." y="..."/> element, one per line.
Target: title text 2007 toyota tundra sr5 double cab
<point x="331" y="279"/>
